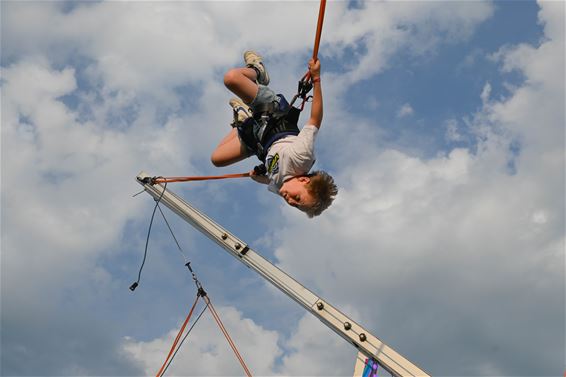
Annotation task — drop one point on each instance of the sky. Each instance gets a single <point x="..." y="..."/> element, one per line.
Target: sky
<point x="443" y="128"/>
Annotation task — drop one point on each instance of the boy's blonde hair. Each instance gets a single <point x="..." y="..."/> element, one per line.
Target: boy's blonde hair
<point x="323" y="190"/>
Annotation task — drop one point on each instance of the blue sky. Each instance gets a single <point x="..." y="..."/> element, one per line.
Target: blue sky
<point x="443" y="127"/>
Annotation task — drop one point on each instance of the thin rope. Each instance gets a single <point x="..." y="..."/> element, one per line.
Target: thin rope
<point x="184" y="338"/>
<point x="173" y="235"/>
<point x="200" y="289"/>
<point x="228" y="338"/>
<point x="179" y="334"/>
<point x="137" y="282"/>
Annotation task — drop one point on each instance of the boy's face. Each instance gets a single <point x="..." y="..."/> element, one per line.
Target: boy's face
<point x="295" y="192"/>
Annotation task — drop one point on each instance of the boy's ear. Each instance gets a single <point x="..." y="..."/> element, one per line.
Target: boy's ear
<point x="304" y="179"/>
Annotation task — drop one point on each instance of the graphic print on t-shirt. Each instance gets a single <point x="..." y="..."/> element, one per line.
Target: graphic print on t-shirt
<point x="273" y="164"/>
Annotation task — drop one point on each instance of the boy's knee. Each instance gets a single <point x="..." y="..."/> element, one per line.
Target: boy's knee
<point x="230" y="78"/>
<point x="217" y="160"/>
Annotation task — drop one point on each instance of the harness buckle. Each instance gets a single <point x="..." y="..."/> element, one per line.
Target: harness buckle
<point x="305" y="87"/>
<point x="260" y="125"/>
<point x="303" y="90"/>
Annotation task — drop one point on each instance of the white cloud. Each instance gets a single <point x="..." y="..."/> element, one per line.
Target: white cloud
<point x="486" y="92"/>
<point x="405" y="111"/>
<point x="152" y="47"/>
<point x="310" y="347"/>
<point x="66" y="198"/>
<point x="381" y="30"/>
<point x="452" y="133"/>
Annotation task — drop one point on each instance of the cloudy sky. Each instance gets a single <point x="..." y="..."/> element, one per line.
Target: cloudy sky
<point x="443" y="127"/>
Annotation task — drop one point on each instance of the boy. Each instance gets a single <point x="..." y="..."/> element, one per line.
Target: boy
<point x="265" y="125"/>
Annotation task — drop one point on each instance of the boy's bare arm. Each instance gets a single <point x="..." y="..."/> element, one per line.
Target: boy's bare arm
<point x="316" y="108"/>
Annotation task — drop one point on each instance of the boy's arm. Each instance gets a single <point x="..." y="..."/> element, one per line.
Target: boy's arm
<point x="316" y="107"/>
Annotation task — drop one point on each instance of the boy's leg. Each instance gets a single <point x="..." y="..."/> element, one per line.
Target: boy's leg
<point x="242" y="82"/>
<point x="229" y="151"/>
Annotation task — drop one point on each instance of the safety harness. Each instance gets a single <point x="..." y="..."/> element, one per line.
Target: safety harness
<point x="272" y="122"/>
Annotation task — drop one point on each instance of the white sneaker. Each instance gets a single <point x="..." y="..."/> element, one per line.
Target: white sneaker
<point x="241" y="111"/>
<point x="255" y="61"/>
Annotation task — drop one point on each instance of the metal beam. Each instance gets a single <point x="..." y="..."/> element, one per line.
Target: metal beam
<point x="360" y="338"/>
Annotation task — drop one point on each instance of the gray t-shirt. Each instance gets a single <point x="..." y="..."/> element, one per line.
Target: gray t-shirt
<point x="290" y="157"/>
